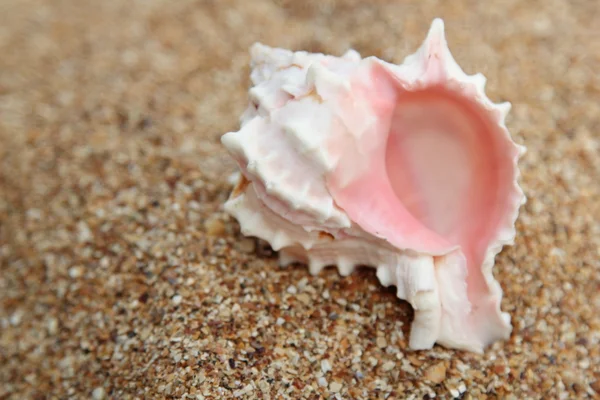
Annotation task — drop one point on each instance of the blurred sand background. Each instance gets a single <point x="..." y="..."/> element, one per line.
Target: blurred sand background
<point x="121" y="277"/>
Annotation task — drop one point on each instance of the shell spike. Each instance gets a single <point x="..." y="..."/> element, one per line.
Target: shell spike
<point x="345" y="266"/>
<point x="279" y="241"/>
<point x="504" y="109"/>
<point x="258" y="47"/>
<point x="479" y="80"/>
<point x="436" y="38"/>
<point x="352" y="55"/>
<point x="315" y="266"/>
<point x="231" y="141"/>
<point x="435" y="54"/>
<point x="385" y="275"/>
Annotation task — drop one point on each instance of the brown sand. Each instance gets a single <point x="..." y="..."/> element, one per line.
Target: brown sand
<point x="121" y="276"/>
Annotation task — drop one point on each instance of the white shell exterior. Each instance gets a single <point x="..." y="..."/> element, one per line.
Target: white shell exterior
<point x="284" y="149"/>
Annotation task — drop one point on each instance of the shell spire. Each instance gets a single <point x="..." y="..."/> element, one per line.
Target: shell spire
<point x="407" y="168"/>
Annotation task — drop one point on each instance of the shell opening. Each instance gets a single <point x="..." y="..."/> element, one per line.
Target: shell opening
<point x="437" y="159"/>
<point x="443" y="159"/>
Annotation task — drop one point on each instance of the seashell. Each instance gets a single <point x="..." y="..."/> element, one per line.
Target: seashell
<point x="407" y="168"/>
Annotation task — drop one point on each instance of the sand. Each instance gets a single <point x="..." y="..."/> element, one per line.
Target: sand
<point x="121" y="276"/>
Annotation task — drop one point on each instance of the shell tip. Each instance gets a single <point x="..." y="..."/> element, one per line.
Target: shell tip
<point x="315" y="267"/>
<point x="345" y="267"/>
<point x="435" y="55"/>
<point x="352" y="55"/>
<point x="480" y="80"/>
<point x="229" y="140"/>
<point x="436" y="31"/>
<point x="504" y="108"/>
<point x="258" y="47"/>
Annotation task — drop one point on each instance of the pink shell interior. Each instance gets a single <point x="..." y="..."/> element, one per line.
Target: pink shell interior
<point x="441" y="175"/>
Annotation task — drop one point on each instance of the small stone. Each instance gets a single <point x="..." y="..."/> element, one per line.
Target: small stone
<point x="98" y="393"/>
<point x="292" y="289"/>
<point x="570" y="377"/>
<point x="280" y="321"/>
<point x="302" y="283"/>
<point x="325" y="366"/>
<point x="177" y="299"/>
<point x="16" y="318"/>
<point x="335" y="387"/>
<point x="414" y="360"/>
<point x="34" y="213"/>
<point x="342" y="302"/>
<point x="245" y="390"/>
<point x="435" y="373"/>
<point x="400" y="388"/>
<point x="76" y="271"/>
<point x="52" y="326"/>
<point x="381" y="342"/>
<point x="105" y="262"/>
<point x="344" y="344"/>
<point x="84" y="234"/>
<point x="263" y="386"/>
<point x="304" y="298"/>
<point x="388" y="366"/>
<point x="499" y="369"/>
<point x="31" y="379"/>
<point x="322" y="381"/>
<point x="214" y="226"/>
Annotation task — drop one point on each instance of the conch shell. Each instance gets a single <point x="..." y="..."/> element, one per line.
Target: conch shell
<point x="406" y="168"/>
